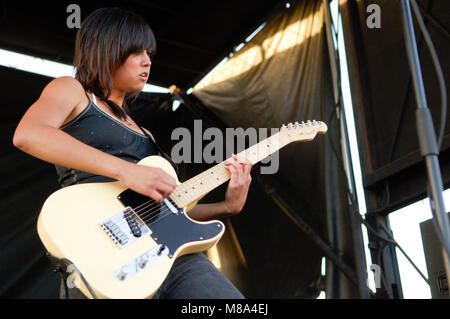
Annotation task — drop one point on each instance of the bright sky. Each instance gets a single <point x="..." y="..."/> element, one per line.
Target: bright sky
<point x="404" y="222"/>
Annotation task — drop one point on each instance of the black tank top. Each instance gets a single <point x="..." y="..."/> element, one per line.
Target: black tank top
<point x="96" y="128"/>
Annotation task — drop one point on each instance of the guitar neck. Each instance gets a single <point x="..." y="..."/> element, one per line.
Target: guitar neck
<point x="203" y="183"/>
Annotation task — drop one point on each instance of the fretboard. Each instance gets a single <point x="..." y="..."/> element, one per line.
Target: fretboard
<point x="203" y="183"/>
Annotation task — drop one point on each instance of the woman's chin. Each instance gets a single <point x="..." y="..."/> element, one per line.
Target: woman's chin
<point x="138" y="88"/>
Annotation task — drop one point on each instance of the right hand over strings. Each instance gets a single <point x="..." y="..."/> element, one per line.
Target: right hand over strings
<point x="149" y="181"/>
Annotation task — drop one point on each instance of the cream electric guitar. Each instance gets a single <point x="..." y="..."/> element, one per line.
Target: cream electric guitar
<point x="122" y="244"/>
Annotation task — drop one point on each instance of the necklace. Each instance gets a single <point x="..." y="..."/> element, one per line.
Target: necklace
<point x="128" y="121"/>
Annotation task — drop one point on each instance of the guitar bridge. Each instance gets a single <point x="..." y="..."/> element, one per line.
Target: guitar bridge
<point x="124" y="228"/>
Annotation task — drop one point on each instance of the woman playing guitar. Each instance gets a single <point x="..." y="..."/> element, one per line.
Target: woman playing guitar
<point x="82" y="126"/>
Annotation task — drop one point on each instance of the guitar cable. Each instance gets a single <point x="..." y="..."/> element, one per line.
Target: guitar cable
<point x="61" y="265"/>
<point x="82" y="277"/>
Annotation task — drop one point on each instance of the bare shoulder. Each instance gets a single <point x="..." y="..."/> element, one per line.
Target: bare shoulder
<point x="66" y="85"/>
<point x="59" y="100"/>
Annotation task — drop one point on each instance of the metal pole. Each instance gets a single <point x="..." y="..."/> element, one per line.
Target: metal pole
<point x="426" y="133"/>
<point x="358" y="246"/>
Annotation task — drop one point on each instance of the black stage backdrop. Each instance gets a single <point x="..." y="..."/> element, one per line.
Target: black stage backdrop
<point x="263" y="251"/>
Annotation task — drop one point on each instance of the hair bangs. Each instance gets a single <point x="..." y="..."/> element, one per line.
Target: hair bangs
<point x="107" y="37"/>
<point x="135" y="35"/>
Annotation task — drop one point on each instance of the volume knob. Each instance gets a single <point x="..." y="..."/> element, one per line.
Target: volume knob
<point x="143" y="262"/>
<point x="123" y="273"/>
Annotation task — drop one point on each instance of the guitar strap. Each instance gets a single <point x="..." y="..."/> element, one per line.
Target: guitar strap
<point x="161" y="152"/>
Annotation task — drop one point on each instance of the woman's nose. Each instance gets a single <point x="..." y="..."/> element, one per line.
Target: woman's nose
<point x="146" y="59"/>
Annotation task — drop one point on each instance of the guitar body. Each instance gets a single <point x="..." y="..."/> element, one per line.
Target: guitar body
<point x="124" y="244"/>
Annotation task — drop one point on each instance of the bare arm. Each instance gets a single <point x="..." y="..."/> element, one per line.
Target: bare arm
<point x="38" y="134"/>
<point x="204" y="212"/>
<point x="235" y="196"/>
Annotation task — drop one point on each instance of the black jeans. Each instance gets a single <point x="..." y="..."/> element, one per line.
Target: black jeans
<point x="192" y="276"/>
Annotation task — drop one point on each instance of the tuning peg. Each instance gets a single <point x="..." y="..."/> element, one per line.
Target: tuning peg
<point x="290" y="126"/>
<point x="296" y="124"/>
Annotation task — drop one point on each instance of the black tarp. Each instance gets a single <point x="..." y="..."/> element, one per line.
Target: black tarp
<point x="281" y="76"/>
<point x="24" y="269"/>
<point x="279" y="260"/>
<point x="291" y="84"/>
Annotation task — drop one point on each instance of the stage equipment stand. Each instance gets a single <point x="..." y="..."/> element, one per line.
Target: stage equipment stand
<point x="357" y="246"/>
<point x="426" y="134"/>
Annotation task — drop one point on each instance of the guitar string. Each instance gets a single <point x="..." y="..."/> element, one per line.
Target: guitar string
<point x="220" y="175"/>
<point x="150" y="219"/>
<point x="189" y="185"/>
<point x="163" y="212"/>
<point x="166" y="211"/>
<point x="186" y="184"/>
<point x="152" y="211"/>
<point x="147" y="215"/>
<point x="223" y="172"/>
<point x="161" y="215"/>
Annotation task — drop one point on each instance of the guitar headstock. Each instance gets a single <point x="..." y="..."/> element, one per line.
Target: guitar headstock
<point x="304" y="131"/>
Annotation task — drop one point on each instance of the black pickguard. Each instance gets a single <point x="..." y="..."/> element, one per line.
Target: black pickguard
<point x="169" y="229"/>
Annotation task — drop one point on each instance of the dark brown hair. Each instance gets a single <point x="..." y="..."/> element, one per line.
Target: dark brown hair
<point x="103" y="43"/>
